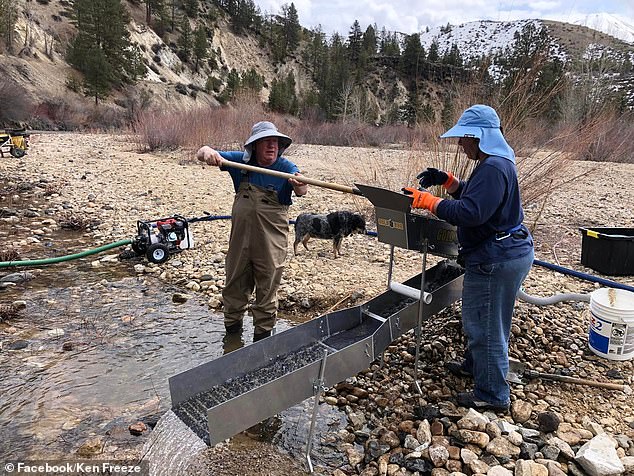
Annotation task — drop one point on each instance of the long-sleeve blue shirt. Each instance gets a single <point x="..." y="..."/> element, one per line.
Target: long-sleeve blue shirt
<point x="487" y="204"/>
<point x="280" y="184"/>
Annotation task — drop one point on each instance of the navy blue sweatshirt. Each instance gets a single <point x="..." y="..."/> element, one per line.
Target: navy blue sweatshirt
<point x="487" y="204"/>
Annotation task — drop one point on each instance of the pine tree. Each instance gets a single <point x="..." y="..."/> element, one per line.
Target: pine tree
<point x="355" y="42"/>
<point x="185" y="42"/>
<point x="452" y="56"/>
<point x="412" y="58"/>
<point x="8" y="19"/>
<point x="251" y="80"/>
<point x="369" y="43"/>
<point x="433" y="55"/>
<point x="245" y="16"/>
<point x="152" y="7"/>
<point x="291" y="27"/>
<point x="103" y="41"/>
<point x="97" y="74"/>
<point x="200" y="48"/>
<point x="191" y="8"/>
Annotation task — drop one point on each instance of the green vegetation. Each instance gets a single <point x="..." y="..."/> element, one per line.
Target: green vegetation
<point x="102" y="50"/>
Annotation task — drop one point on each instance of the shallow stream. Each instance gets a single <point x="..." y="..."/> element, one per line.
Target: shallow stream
<point x="94" y="348"/>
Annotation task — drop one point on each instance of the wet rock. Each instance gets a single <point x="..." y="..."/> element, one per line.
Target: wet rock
<point x="374" y="449"/>
<point x="180" y="298"/>
<point x="17" y="278"/>
<point x="137" y="428"/>
<point x="548" y="421"/>
<point x="18" y="345"/>
<point x="91" y="447"/>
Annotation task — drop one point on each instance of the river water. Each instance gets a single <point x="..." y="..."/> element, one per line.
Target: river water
<point x="93" y="351"/>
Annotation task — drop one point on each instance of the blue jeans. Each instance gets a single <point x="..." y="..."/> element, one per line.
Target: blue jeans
<point x="488" y="297"/>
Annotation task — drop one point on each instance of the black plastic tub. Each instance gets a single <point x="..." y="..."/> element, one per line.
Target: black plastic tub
<point x="608" y="250"/>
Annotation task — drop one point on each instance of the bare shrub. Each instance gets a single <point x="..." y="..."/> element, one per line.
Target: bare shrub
<point x="8" y="311"/>
<point x="352" y="134"/>
<point x="9" y="255"/>
<point x="161" y="131"/>
<point x="605" y="137"/>
<point x="59" y="113"/>
<point x="105" y="116"/>
<point x="15" y="105"/>
<point x="224" y="127"/>
<point x="71" y="221"/>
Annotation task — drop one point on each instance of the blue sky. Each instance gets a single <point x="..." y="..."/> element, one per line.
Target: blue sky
<point x="411" y="16"/>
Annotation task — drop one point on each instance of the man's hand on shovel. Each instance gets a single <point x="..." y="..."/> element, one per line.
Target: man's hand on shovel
<point x="209" y="156"/>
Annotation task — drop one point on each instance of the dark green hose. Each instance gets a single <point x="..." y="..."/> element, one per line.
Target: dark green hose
<point x="59" y="259"/>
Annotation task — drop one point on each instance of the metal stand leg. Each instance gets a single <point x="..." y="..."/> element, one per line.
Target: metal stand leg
<point x="389" y="271"/>
<point x="318" y="389"/>
<point x="419" y="324"/>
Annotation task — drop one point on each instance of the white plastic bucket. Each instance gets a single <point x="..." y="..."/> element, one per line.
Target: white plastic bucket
<point x="611" y="333"/>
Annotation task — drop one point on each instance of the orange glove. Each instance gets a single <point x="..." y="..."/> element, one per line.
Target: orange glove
<point x="423" y="199"/>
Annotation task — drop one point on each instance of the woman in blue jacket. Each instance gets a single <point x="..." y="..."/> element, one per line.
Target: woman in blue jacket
<point x="495" y="247"/>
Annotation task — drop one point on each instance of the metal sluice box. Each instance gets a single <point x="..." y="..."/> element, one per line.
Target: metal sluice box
<point x="220" y="398"/>
<point x="397" y="226"/>
<point x="223" y="397"/>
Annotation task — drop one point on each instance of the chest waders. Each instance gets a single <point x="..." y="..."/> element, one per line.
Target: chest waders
<point x="257" y="251"/>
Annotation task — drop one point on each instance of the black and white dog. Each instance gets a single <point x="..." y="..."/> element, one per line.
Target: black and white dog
<point x="333" y="226"/>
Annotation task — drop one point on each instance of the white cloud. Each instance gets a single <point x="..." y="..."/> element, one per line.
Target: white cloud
<point x="411" y="16"/>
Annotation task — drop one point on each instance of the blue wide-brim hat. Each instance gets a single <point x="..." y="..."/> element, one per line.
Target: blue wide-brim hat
<point x="482" y="122"/>
<point x="263" y="129"/>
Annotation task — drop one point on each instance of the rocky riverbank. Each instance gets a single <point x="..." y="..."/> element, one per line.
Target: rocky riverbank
<point x="101" y="183"/>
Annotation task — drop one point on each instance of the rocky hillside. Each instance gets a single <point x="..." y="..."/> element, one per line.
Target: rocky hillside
<point x="43" y="33"/>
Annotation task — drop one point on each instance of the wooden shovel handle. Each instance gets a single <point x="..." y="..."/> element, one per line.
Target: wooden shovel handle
<point x="275" y="173"/>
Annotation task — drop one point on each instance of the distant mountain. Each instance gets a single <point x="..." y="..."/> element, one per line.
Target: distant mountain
<point x="615" y="25"/>
<point x="568" y="41"/>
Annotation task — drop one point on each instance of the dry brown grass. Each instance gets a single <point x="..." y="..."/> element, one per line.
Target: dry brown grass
<point x="71" y="221"/>
<point x="8" y="311"/>
<point x="9" y="255"/>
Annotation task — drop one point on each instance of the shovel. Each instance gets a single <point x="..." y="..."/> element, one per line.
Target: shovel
<point x="308" y="180"/>
<point x="518" y="369"/>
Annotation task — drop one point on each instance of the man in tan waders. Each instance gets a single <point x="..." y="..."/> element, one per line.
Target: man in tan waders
<point x="259" y="229"/>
